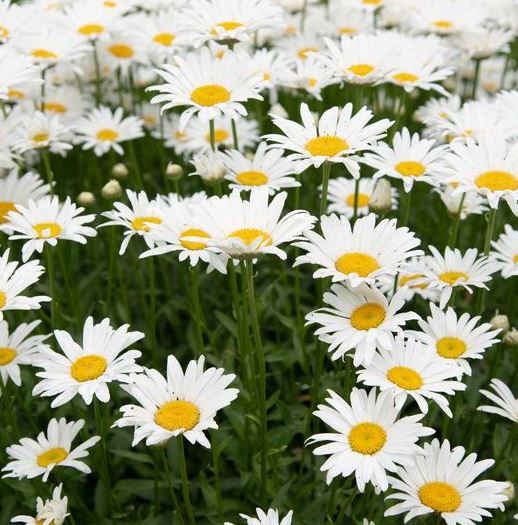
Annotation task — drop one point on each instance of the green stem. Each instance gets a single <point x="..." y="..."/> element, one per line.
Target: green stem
<point x="326" y="170"/>
<point x="185" y="482"/>
<point x="151" y="332"/>
<point x="491" y="220"/>
<point x="135" y="166"/>
<point x="170" y="484"/>
<point x="356" y="198"/>
<point x="406" y="209"/>
<point x="212" y="135"/>
<point x="476" y="76"/>
<point x="454" y="232"/>
<point x="234" y="135"/>
<point x="196" y="308"/>
<point x="105" y="469"/>
<point x="48" y="169"/>
<point x="51" y="280"/>
<point x="98" y="78"/>
<point x="217" y="482"/>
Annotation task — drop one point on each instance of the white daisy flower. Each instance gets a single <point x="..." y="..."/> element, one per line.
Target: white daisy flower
<point x="442" y="481"/>
<point x="208" y="86"/>
<point x="47" y="221"/>
<point x="89" y="19"/>
<point x="368" y="439"/>
<point x="339" y="136"/>
<point x="506" y="252"/>
<point x="456" y="339"/>
<point x="359" y="321"/>
<point x="31" y="458"/>
<point x="455" y="270"/>
<point x="410" y="369"/>
<point x="270" y="517"/>
<point x="482" y="42"/>
<point x="52" y="511"/>
<point x="360" y="253"/>
<point x="121" y="50"/>
<point x="505" y="404"/>
<point x="300" y="46"/>
<point x="209" y="167"/>
<point x="103" y="130"/>
<point x="437" y="109"/>
<point x="18" y="348"/>
<point x="347" y="20"/>
<point x="88" y="367"/>
<point x="14" y="19"/>
<point x="272" y="65"/>
<point x="65" y="102"/>
<point x="184" y="403"/>
<point x="472" y="202"/>
<point x="410" y="159"/>
<point x="14" y="280"/>
<point x="309" y="75"/>
<point x="18" y="72"/>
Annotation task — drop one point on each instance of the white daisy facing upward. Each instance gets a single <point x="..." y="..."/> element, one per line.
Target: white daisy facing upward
<point x="86" y="368"/>
<point x="359" y="321"/>
<point x="18" y="72"/>
<point x="183" y="404"/>
<point x="31" y="458"/>
<point x="103" y="129"/>
<point x="368" y="437"/>
<point x="443" y="481"/>
<point x="52" y="511"/>
<point x="505" y="252"/>
<point x="505" y="404"/>
<point x="47" y="221"/>
<point x="270" y="517"/>
<point x="411" y="369"/>
<point x="337" y="138"/>
<point x="357" y="254"/>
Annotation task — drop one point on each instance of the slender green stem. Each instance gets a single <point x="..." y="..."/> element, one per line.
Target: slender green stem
<point x="356" y="198"/>
<point x="234" y="134"/>
<point x="170" y="484"/>
<point x="196" y="308"/>
<point x="98" y="78"/>
<point x="151" y="332"/>
<point x="52" y="284"/>
<point x="454" y="231"/>
<point x="48" y="169"/>
<point x="185" y="482"/>
<point x="476" y="77"/>
<point x="7" y="395"/>
<point x="105" y="468"/>
<point x="400" y="114"/>
<point x="303" y="15"/>
<point x="404" y="222"/>
<point x="212" y="135"/>
<point x="135" y="166"/>
<point x="491" y="220"/>
<point x="217" y="482"/>
<point x="326" y="170"/>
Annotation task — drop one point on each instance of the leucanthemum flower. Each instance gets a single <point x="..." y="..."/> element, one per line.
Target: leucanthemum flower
<point x="361" y="253"/>
<point x="442" y="481"/>
<point x="52" y="511"/>
<point x="368" y="437"/>
<point x="410" y="159"/>
<point x="309" y="75"/>
<point x="410" y="369"/>
<point x="472" y="202"/>
<point x="457" y="270"/>
<point x="89" y="19"/>
<point x="65" y="102"/>
<point x="184" y="403"/>
<point x="270" y="517"/>
<point x="267" y="168"/>
<point x="506" y="252"/>
<point x="437" y="109"/>
<point x="18" y="72"/>
<point x="456" y="339"/>
<point x="18" y="348"/>
<point x="208" y="86"/>
<point x="47" y="221"/>
<point x="359" y="321"/>
<point x="31" y="458"/>
<point x="338" y="137"/>
<point x="88" y="367"/>
<point x="103" y="130"/>
<point x="505" y="404"/>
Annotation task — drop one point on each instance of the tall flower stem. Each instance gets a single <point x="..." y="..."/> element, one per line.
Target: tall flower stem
<point x="51" y="280"/>
<point x="454" y="232"/>
<point x="185" y="482"/>
<point x="151" y="331"/>
<point x="326" y="170"/>
<point x="491" y="220"/>
<point x="234" y="135"/>
<point x="212" y="135"/>
<point x="404" y="222"/>
<point x="105" y="469"/>
<point x="476" y="77"/>
<point x="356" y="198"/>
<point x="196" y="308"/>
<point x="135" y="166"/>
<point x="98" y="79"/>
<point x="170" y="484"/>
<point x="48" y="169"/>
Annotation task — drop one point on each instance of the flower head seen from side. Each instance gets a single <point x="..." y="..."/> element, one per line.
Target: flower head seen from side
<point x="47" y="221"/>
<point x="18" y="348"/>
<point x="337" y="138"/>
<point x="270" y="517"/>
<point x="52" y="511"/>
<point x="469" y="203"/>
<point x="368" y="437"/>
<point x="442" y="480"/>
<point x="410" y="159"/>
<point x="456" y="339"/>
<point x="359" y="321"/>
<point x="87" y="368"/>
<point x="18" y="72"/>
<point x="505" y="404"/>
<point x="361" y="253"/>
<point x="103" y="130"/>
<point x="411" y="369"/>
<point x="181" y="404"/>
<point x="505" y="252"/>
<point x="31" y="458"/>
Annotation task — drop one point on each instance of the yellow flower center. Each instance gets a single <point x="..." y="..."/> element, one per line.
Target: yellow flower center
<point x="150" y="120"/>
<point x="210" y="95"/>
<point x="267" y="76"/>
<point x="229" y="25"/>
<point x="359" y="263"/>
<point x="361" y="70"/>
<point x="453" y="277"/>
<point x="347" y="30"/>
<point x="249" y="235"/>
<point x="47" y="230"/>
<point x="367" y="438"/>
<point x="107" y="134"/>
<point x="4" y="32"/>
<point x="252" y="178"/>
<point x="440" y="496"/>
<point x="109" y="3"/>
<point x="40" y="137"/>
<point x="405" y="378"/>
<point x="410" y="168"/>
<point x="176" y="415"/>
<point x="497" y="181"/>
<point x="515" y="258"/>
<point x="362" y="201"/>
<point x="451" y="347"/>
<point x="406" y="280"/>
<point x="164" y="39"/>
<point x="91" y="29"/>
<point x="43" y="53"/>
<point x="443" y="24"/>
<point x="121" y="51"/>
<point x="142" y="223"/>
<point x="88" y="367"/>
<point x="6" y="355"/>
<point x="52" y="456"/>
<point x="220" y="135"/>
<point x="194" y="245"/>
<point x="305" y="51"/>
<point x="372" y="2"/>
<point x="368" y="316"/>
<point x="54" y="107"/>
<point x="326" y="146"/>
<point x="5" y="208"/>
<point x="3" y="299"/>
<point x="405" y="78"/>
<point x="15" y="93"/>
<point x="312" y="82"/>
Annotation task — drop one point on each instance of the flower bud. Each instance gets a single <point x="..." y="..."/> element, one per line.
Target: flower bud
<point x="120" y="171"/>
<point x="500" y="321"/>
<point x="511" y="337"/>
<point x="209" y="167"/>
<point x="278" y="111"/>
<point x="86" y="198"/>
<point x="174" y="171"/>
<point x="111" y="190"/>
<point x="381" y="198"/>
